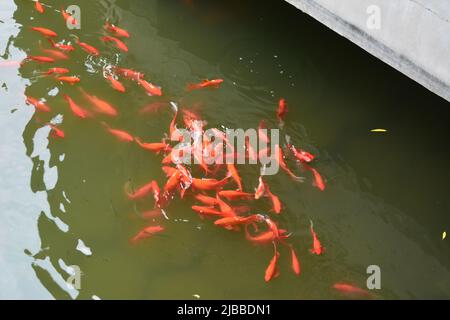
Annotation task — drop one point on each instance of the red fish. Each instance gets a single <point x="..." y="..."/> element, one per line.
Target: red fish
<point x="301" y="155"/>
<point x="283" y="164"/>
<point x="150" y="88"/>
<point x="56" y="71"/>
<point x="168" y="170"/>
<point x="261" y="189"/>
<point x="263" y="238"/>
<point x="153" y="107"/>
<point x="41" y="59"/>
<point x="349" y="289"/>
<point x="142" y="191"/>
<point x="318" y="181"/>
<point x="206" y="200"/>
<point x="153" y="147"/>
<point x="115" y="84"/>
<point x="276" y="203"/>
<point x="77" y="110"/>
<point x="116" y="30"/>
<point x="172" y="182"/>
<point x="118" y="43"/>
<point x="39" y="7"/>
<point x="282" y="109"/>
<point x="69" y="79"/>
<point x="39" y="105"/>
<point x="88" y="48"/>
<point x="295" y="264"/>
<point x="100" y="105"/>
<point x="235" y="175"/>
<point x="45" y="32"/>
<point x="235" y="195"/>
<point x="151" y="214"/>
<point x="236" y="220"/>
<point x="209" y="184"/>
<point x="68" y="17"/>
<point x="119" y="134"/>
<point x="56" y="54"/>
<point x="205" y="84"/>
<point x="129" y="73"/>
<point x="56" y="131"/>
<point x="207" y="211"/>
<point x="61" y="46"/>
<point x="272" y="267"/>
<point x="317" y="246"/>
<point x="225" y="208"/>
<point x="146" y="233"/>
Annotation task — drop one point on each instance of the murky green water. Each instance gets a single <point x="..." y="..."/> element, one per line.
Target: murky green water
<point x="386" y="201"/>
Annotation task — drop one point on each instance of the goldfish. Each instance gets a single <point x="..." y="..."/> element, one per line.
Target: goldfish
<point x="118" y="43"/>
<point x="207" y="211"/>
<point x="295" y="264"/>
<point x="38" y="6"/>
<point x="235" y="195"/>
<point x="209" y="184"/>
<point x="150" y="88"/>
<point x="276" y="203"/>
<point x="152" y="107"/>
<point x="301" y="155"/>
<point x="68" y="17"/>
<point x="150" y="214"/>
<point x="206" y="200"/>
<point x="42" y="59"/>
<point x="172" y="126"/>
<point x="69" y="79"/>
<point x="142" y="191"/>
<point x="61" y="46"/>
<point x="317" y="246"/>
<point x="168" y="170"/>
<point x="272" y="267"/>
<point x="119" y="134"/>
<point x="172" y="182"/>
<point x="56" y="131"/>
<point x="88" y="48"/>
<point x="261" y="189"/>
<point x="235" y="175"/>
<point x="56" y="54"/>
<point x="115" y="84"/>
<point x="129" y="73"/>
<point x="100" y="105"/>
<point x="116" y="30"/>
<point x="39" y="105"/>
<point x="56" y="71"/>
<point x="318" y="181"/>
<point x="283" y="164"/>
<point x="205" y="84"/>
<point x="77" y="110"/>
<point x="146" y="233"/>
<point x="45" y="32"/>
<point x="236" y="220"/>
<point x="225" y="208"/>
<point x="282" y="109"/>
<point x="265" y="237"/>
<point x="349" y="289"/>
<point x="154" y="147"/>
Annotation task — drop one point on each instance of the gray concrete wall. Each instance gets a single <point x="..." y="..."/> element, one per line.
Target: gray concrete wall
<point x="412" y="36"/>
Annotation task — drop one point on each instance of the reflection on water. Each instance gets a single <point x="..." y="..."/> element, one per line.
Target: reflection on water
<point x="386" y="200"/>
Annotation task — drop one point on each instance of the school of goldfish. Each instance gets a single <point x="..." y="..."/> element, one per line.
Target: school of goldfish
<point x="218" y="190"/>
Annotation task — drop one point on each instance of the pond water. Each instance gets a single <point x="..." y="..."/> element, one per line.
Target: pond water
<point x="386" y="202"/>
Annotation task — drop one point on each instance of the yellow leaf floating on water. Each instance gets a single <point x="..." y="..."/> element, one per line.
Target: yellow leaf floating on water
<point x="444" y="235"/>
<point x="378" y="130"/>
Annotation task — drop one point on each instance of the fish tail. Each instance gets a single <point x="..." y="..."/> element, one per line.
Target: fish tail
<point x="191" y="86"/>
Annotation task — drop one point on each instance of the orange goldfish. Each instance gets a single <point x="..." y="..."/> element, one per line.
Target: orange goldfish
<point x="88" y="48"/>
<point x="100" y="105"/>
<point x="39" y="7"/>
<point x="77" y="110"/>
<point x="150" y="88"/>
<point x="116" y="30"/>
<point x="276" y="203"/>
<point x="146" y="233"/>
<point x="282" y="109"/>
<point x="68" y="17"/>
<point x="349" y="289"/>
<point x="295" y="264"/>
<point x="206" y="200"/>
<point x="119" y="134"/>
<point x="142" y="191"/>
<point x="61" y="46"/>
<point x="205" y="84"/>
<point x="56" y="71"/>
<point x="118" y="43"/>
<point x="69" y="79"/>
<point x="209" y="184"/>
<point x="261" y="189"/>
<point x="45" y="32"/>
<point x="39" y="105"/>
<point x="317" y="246"/>
<point x="129" y="73"/>
<point x="56" y="131"/>
<point x="207" y="211"/>
<point x="154" y="147"/>
<point x="235" y="195"/>
<point x="301" y="155"/>
<point x="41" y="59"/>
<point x="235" y="175"/>
<point x="271" y="270"/>
<point x="115" y="84"/>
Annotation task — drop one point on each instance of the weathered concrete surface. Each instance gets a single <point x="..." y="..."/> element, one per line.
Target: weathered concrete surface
<point x="414" y="35"/>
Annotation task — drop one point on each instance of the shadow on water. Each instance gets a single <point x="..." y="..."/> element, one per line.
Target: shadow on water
<point x="385" y="203"/>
